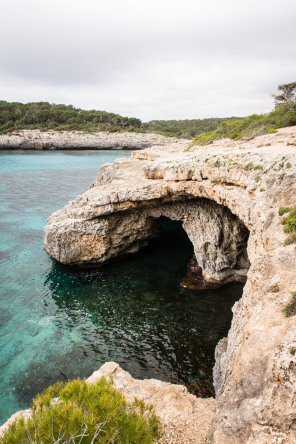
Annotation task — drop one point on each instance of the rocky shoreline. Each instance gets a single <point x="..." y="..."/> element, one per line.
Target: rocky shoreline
<point x="227" y="196"/>
<point x="78" y="140"/>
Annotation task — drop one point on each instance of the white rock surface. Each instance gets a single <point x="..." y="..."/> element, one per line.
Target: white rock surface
<point x="255" y="371"/>
<point x="54" y="140"/>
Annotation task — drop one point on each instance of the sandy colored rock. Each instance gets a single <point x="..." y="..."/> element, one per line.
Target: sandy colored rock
<point x="63" y="140"/>
<point x="215" y="190"/>
<point x="184" y="418"/>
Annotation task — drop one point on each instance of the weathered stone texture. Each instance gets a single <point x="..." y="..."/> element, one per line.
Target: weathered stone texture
<point x="216" y="191"/>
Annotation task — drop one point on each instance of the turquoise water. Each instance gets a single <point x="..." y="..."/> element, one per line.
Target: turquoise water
<point x="57" y="323"/>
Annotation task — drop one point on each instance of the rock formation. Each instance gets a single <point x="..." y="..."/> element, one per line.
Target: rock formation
<point x="184" y="418"/>
<point x="74" y="140"/>
<point x="222" y="193"/>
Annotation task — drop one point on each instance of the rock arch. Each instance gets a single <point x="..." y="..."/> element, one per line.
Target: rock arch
<point x="114" y="217"/>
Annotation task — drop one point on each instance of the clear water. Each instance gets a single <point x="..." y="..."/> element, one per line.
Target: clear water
<point x="57" y="323"/>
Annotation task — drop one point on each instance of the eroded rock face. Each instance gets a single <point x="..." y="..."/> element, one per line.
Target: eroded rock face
<point x="219" y="192"/>
<point x="218" y="237"/>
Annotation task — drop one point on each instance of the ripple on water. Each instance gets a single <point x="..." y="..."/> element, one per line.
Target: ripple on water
<point x="57" y="323"/>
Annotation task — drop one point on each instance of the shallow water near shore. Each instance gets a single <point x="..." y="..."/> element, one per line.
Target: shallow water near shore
<point x="57" y="323"/>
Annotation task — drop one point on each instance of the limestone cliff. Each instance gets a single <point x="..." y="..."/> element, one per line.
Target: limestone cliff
<point x="54" y="140"/>
<point x="227" y="195"/>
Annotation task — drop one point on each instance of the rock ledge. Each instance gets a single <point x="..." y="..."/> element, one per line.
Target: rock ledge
<point x="218" y="192"/>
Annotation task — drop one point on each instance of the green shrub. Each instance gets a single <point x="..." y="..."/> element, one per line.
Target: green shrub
<point x="283" y="210"/>
<point x="249" y="166"/>
<point x="251" y="126"/>
<point x="290" y="309"/>
<point x="77" y="412"/>
<point x="289" y="223"/>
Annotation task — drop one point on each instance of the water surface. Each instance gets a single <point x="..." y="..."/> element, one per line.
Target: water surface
<point x="57" y="323"/>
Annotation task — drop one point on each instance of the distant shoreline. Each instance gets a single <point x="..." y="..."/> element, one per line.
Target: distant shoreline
<point x="78" y="140"/>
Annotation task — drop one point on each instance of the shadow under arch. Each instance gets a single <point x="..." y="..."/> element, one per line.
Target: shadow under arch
<point x="134" y="312"/>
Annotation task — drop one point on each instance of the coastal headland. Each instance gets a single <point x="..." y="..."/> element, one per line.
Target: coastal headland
<point x="232" y="199"/>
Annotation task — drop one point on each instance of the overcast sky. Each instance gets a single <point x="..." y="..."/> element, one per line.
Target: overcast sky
<point x="154" y="59"/>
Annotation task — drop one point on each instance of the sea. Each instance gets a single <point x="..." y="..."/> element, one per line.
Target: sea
<point x="58" y="323"/>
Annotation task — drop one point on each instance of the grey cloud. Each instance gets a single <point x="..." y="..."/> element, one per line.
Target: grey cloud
<point x="160" y="59"/>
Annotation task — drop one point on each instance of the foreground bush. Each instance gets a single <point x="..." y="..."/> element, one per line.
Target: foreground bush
<point x="77" y="412"/>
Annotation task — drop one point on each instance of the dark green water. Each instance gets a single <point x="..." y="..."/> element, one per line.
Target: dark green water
<point x="57" y="323"/>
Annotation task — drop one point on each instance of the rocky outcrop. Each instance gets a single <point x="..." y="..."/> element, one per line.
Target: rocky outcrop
<point x="222" y="193"/>
<point x="54" y="140"/>
<point x="183" y="417"/>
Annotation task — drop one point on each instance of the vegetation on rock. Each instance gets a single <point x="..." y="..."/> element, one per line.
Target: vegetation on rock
<point x="283" y="210"/>
<point x="251" y="126"/>
<point x="45" y="116"/>
<point x="185" y="128"/>
<point x="290" y="309"/>
<point x="289" y="223"/>
<point x="78" y="412"/>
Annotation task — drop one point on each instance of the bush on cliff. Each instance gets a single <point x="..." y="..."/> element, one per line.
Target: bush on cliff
<point x="251" y="126"/>
<point x="78" y="412"/>
<point x="289" y="223"/>
<point x="290" y="309"/>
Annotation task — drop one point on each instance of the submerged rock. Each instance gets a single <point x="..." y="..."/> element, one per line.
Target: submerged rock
<point x="194" y="279"/>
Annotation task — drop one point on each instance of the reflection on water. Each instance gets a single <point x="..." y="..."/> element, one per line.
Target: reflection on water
<point x="134" y="312"/>
<point x="57" y="323"/>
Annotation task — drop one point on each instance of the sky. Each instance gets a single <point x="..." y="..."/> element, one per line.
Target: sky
<point x="156" y="59"/>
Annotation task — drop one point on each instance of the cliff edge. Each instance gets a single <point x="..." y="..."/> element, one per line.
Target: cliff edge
<point x="228" y="196"/>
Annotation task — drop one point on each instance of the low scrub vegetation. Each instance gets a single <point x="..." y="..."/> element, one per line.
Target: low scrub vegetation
<point x="290" y="309"/>
<point x="251" y="126"/>
<point x="77" y="412"/>
<point x="185" y="128"/>
<point x="46" y="116"/>
<point x="289" y="223"/>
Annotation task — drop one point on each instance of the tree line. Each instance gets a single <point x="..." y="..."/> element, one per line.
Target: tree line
<point x="46" y="116"/>
<point x="16" y="116"/>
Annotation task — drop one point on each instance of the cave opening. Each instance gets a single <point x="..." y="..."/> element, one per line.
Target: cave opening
<point x="137" y="313"/>
<point x="210" y="302"/>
